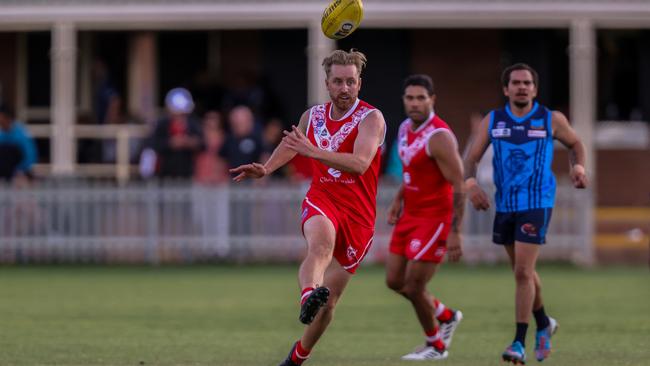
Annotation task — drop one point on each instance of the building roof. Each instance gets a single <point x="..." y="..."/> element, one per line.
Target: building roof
<point x="229" y="14"/>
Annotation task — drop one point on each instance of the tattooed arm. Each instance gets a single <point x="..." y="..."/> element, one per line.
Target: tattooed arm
<point x="444" y="149"/>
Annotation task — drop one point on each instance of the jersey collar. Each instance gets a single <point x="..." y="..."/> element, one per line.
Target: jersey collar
<point x="347" y="114"/>
<point x="425" y="124"/>
<point x="525" y="117"/>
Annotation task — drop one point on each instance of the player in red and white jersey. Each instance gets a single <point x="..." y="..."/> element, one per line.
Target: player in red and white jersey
<point x="342" y="137"/>
<point x="427" y="211"/>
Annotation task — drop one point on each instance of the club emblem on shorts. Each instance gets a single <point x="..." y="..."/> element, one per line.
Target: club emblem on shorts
<point x="415" y="244"/>
<point x="529" y="229"/>
<point x="439" y="252"/>
<point x="351" y="253"/>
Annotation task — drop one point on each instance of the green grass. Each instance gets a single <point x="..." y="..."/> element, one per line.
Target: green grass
<point x="241" y="316"/>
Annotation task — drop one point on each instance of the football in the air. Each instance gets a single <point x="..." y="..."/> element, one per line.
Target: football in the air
<point x="341" y="18"/>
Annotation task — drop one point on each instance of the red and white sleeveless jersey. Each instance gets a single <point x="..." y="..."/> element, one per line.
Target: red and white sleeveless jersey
<point x="426" y="191"/>
<point x="353" y="193"/>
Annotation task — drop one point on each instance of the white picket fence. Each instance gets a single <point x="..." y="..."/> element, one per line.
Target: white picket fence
<point x="95" y="222"/>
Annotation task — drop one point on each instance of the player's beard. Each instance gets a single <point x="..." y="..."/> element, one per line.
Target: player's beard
<point x="344" y="104"/>
<point x="418" y="117"/>
<point x="521" y="104"/>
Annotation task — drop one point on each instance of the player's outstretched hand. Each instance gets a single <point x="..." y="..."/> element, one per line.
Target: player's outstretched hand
<point x="298" y="142"/>
<point x="255" y="170"/>
<point x="454" y="246"/>
<point x="578" y="176"/>
<point x="394" y="212"/>
<point x="477" y="196"/>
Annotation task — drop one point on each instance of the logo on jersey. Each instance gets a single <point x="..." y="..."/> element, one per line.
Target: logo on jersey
<point x="519" y="127"/>
<point x="516" y="161"/>
<point x="324" y="139"/>
<point x="501" y="132"/>
<point x="415" y="245"/>
<point x="518" y="168"/>
<point x="537" y="133"/>
<point x="537" y="124"/>
<point x="407" y="178"/>
<point x="351" y="253"/>
<point x="529" y="229"/>
<point x="334" y="173"/>
<point x="501" y="125"/>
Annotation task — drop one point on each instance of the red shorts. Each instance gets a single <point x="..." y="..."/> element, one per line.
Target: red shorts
<point x="420" y="239"/>
<point x="353" y="240"/>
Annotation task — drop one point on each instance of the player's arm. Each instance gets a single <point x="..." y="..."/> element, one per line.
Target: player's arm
<point x="478" y="143"/>
<point x="395" y="209"/>
<point x="371" y="133"/>
<point x="280" y="156"/>
<point x="564" y="133"/>
<point x="444" y="149"/>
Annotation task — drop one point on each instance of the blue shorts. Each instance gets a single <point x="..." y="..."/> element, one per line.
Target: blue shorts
<point x="525" y="226"/>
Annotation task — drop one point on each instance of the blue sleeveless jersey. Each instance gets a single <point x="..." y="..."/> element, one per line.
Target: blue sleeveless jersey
<point x="523" y="153"/>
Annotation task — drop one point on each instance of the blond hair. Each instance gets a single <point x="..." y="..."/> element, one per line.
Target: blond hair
<point x="340" y="57"/>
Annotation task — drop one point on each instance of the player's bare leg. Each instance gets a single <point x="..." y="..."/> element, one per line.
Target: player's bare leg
<point x="538" y="302"/>
<point x="546" y="325"/>
<point x="335" y="279"/>
<point x="395" y="272"/>
<point x="409" y="279"/>
<point x="524" y="268"/>
<point x="320" y="235"/>
<point x="524" y="259"/>
<point x="417" y="275"/>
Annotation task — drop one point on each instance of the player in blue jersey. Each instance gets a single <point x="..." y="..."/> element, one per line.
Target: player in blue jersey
<point x="522" y="134"/>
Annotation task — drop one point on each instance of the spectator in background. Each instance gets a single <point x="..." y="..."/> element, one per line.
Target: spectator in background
<point x="106" y="99"/>
<point x="17" y="149"/>
<point x="107" y="107"/>
<point x="177" y="138"/>
<point x="243" y="145"/>
<point x="211" y="168"/>
<point x="271" y="137"/>
<point x="243" y="90"/>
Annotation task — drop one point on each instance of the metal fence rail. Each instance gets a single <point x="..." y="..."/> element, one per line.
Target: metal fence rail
<point x="95" y="222"/>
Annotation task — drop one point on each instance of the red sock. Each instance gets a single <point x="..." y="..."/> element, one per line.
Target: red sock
<point x="443" y="313"/>
<point x="433" y="339"/>
<point x="299" y="354"/>
<point x="305" y="294"/>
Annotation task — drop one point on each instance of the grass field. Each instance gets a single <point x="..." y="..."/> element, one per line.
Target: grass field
<point x="241" y="316"/>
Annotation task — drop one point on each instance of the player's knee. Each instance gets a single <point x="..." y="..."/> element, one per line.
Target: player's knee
<point x="413" y="290"/>
<point x="331" y="305"/>
<point x="321" y="249"/>
<point x="524" y="274"/>
<point x="394" y="283"/>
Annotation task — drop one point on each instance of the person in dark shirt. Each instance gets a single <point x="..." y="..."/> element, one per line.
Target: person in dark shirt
<point x="243" y="145"/>
<point x="178" y="137"/>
